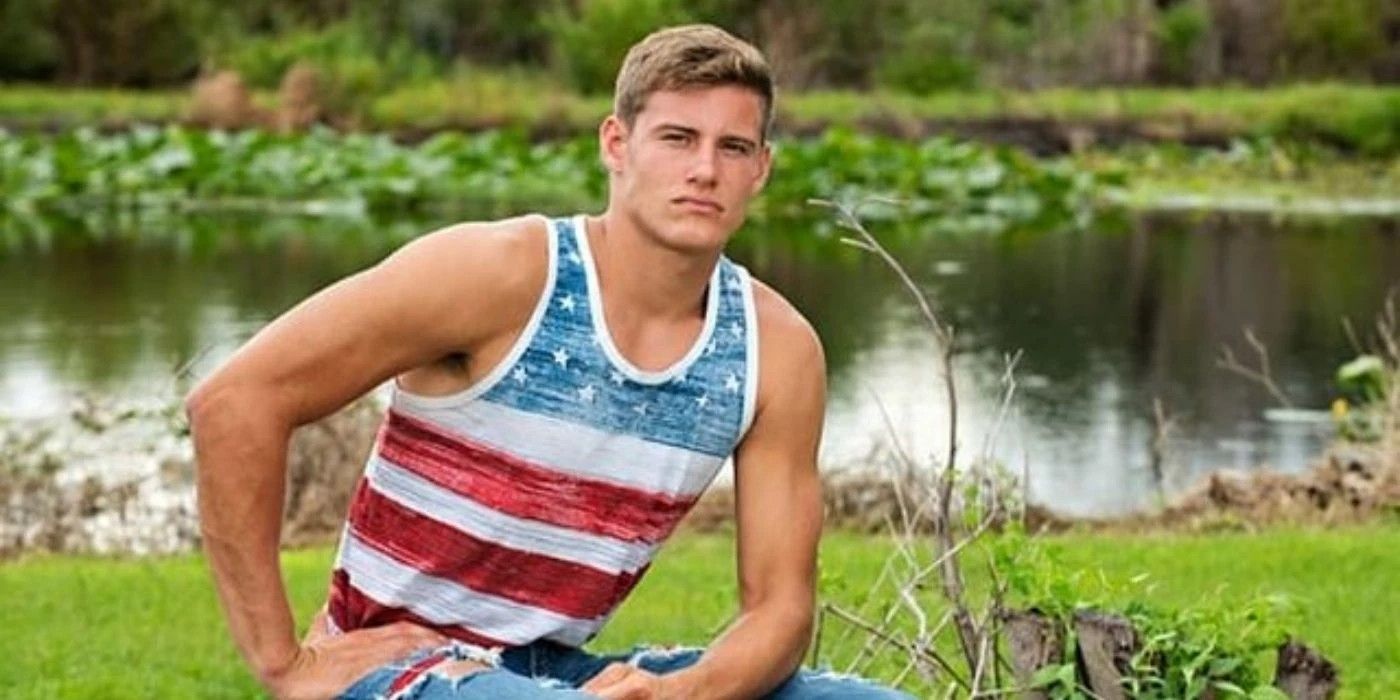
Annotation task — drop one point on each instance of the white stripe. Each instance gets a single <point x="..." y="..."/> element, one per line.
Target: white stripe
<point x="527" y="335"/>
<point x="445" y="602"/>
<point x="750" y="354"/>
<point x="574" y="449"/>
<point x="607" y="554"/>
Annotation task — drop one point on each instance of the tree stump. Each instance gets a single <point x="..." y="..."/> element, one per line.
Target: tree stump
<point x="1304" y="674"/>
<point x="1036" y="642"/>
<point x="1106" y="647"/>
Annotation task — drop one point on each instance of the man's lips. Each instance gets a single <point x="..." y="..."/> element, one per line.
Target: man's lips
<point x="699" y="203"/>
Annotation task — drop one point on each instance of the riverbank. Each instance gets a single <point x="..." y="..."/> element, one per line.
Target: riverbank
<point x="1361" y="119"/>
<point x="150" y="627"/>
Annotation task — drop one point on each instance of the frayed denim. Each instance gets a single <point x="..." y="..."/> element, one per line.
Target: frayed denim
<point x="548" y="671"/>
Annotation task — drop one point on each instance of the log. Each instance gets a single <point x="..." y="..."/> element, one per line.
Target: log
<point x="1304" y="674"/>
<point x="1036" y="642"/>
<point x="1106" y="647"/>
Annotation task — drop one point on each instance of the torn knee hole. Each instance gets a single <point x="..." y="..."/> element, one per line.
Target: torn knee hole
<point x="454" y="670"/>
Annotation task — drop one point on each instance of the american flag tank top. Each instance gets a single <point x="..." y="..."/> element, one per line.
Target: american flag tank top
<point x="530" y="504"/>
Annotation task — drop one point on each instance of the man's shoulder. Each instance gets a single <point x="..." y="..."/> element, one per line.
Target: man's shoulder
<point x="481" y="243"/>
<point x="484" y="276"/>
<point x="786" y="337"/>
<point x="506" y="256"/>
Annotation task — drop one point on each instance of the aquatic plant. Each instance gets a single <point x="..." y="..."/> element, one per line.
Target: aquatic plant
<point x="957" y="184"/>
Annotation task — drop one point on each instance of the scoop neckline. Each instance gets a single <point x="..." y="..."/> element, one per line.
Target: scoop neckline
<point x="604" y="335"/>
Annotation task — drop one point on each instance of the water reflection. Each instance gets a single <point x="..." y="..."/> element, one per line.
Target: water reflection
<point x="1107" y="321"/>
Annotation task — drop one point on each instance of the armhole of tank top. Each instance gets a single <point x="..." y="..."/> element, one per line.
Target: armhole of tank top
<point x="751" y="368"/>
<point x="512" y="356"/>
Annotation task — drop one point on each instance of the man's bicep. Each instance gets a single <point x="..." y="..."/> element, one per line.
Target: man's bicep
<point x="349" y="337"/>
<point x="778" y="490"/>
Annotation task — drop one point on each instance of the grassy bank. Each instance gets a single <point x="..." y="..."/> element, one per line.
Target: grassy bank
<point x="1363" y="118"/>
<point x="84" y="627"/>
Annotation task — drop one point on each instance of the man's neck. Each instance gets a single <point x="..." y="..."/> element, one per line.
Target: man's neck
<point x="644" y="279"/>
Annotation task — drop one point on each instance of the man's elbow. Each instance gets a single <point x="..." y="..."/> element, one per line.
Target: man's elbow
<point x="793" y="613"/>
<point x="210" y="402"/>
<point x="219" y="410"/>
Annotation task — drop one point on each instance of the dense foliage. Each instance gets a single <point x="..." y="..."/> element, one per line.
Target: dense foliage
<point x="957" y="183"/>
<point x="1208" y="649"/>
<point x="917" y="45"/>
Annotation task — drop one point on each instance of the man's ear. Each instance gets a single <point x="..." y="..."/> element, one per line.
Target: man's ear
<point x="612" y="143"/>
<point x="765" y="168"/>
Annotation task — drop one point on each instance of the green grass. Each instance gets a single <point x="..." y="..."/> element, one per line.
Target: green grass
<point x="1260" y="173"/>
<point x="37" y="106"/>
<point x="78" y="627"/>
<point x="1365" y="118"/>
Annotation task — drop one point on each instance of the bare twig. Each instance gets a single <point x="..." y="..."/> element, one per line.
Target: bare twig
<point x="924" y="653"/>
<point x="1163" y="424"/>
<point x="1262" y="375"/>
<point x="950" y="574"/>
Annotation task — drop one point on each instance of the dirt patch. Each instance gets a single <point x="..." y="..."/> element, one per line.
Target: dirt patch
<point x="1350" y="484"/>
<point x="324" y="463"/>
<point x="65" y="488"/>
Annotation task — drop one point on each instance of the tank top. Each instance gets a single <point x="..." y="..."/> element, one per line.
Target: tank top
<point x="530" y="504"/>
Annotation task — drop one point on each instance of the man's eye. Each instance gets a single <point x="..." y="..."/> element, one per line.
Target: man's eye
<point x="677" y="138"/>
<point x="738" y="149"/>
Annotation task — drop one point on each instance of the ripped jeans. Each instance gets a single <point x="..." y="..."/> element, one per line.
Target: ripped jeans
<point x="548" y="671"/>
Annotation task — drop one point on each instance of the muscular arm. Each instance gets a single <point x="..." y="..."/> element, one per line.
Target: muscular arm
<point x="779" y="511"/>
<point x="445" y="293"/>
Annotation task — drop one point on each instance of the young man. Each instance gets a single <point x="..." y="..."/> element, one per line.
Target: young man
<point x="564" y="391"/>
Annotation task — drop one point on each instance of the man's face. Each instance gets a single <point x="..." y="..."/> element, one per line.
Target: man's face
<point x="687" y="167"/>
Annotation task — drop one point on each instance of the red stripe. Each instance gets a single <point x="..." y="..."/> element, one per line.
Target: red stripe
<point x="508" y="484"/>
<point x="443" y="551"/>
<point x="410" y="674"/>
<point x="352" y="610"/>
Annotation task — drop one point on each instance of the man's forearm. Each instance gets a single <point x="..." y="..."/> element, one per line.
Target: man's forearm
<point x="761" y="649"/>
<point x="241" y="458"/>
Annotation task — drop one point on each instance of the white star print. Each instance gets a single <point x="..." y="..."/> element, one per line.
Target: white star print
<point x="731" y="382"/>
<point x="561" y="356"/>
<point x="702" y="401"/>
<point x="736" y="329"/>
<point x="567" y="303"/>
<point x="735" y="284"/>
<point x="520" y="375"/>
<point x="682" y="377"/>
<point x="641" y="409"/>
<point x="574" y="258"/>
<point x="587" y="393"/>
<point x="616" y="378"/>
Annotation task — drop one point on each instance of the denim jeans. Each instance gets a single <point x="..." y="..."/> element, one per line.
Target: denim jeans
<point x="548" y="671"/>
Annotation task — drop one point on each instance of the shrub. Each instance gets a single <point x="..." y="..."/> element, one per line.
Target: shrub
<point x="590" y="42"/>
<point x="353" y="65"/>
<point x="1179" y="34"/>
<point x="932" y="56"/>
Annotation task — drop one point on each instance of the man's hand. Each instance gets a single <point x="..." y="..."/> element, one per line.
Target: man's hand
<point x="325" y="666"/>
<point x="620" y="681"/>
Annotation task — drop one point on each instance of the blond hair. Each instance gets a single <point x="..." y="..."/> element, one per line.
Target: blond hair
<point x="692" y="55"/>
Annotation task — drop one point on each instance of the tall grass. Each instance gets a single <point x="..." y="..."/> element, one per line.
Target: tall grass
<point x="1363" y="118"/>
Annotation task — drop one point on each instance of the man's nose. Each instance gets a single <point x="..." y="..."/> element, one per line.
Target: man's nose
<point x="702" y="167"/>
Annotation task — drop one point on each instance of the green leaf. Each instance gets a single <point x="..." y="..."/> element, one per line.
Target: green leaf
<point x="1229" y="688"/>
<point x="1267" y="692"/>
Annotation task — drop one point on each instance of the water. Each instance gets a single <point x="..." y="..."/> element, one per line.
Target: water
<point x="1105" y="321"/>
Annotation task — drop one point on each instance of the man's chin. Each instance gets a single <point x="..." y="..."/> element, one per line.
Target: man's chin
<point x="697" y="234"/>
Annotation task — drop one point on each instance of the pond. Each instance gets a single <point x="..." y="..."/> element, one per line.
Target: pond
<point x="1106" y="322"/>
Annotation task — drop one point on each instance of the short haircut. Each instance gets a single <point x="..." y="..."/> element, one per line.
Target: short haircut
<point x="692" y="55"/>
